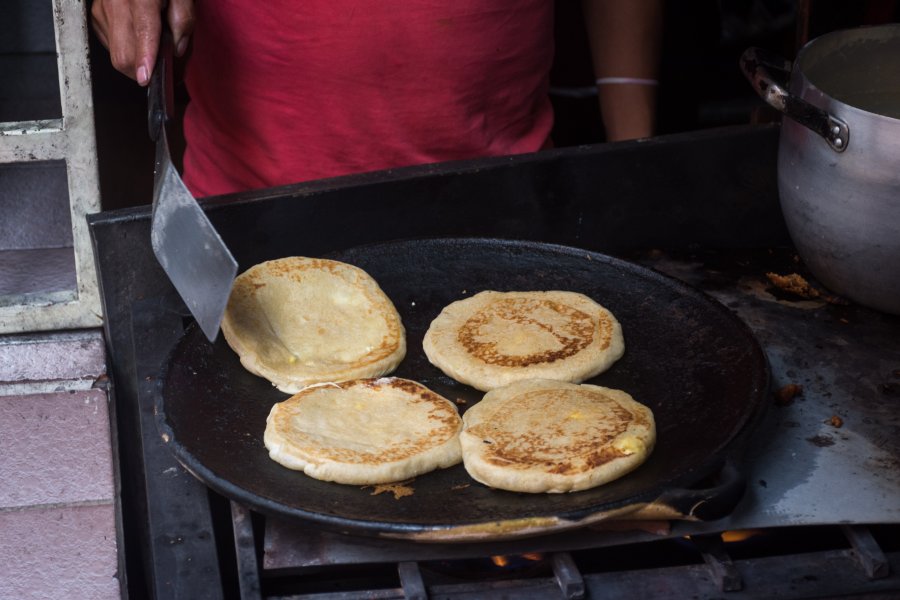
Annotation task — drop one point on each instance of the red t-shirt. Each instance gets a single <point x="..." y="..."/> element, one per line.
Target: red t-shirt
<point x="285" y="91"/>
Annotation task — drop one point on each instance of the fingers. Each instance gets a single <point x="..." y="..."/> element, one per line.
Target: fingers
<point x="181" y="20"/>
<point x="147" y="16"/>
<point x="130" y="29"/>
<point x="98" y="21"/>
<point x="112" y="23"/>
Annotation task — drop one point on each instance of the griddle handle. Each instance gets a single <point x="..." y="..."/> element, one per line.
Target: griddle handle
<point x="713" y="503"/>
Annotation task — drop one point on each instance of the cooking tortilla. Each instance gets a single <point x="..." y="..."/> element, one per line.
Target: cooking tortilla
<point x="364" y="432"/>
<point x="496" y="338"/>
<point x="550" y="436"/>
<point x="298" y="321"/>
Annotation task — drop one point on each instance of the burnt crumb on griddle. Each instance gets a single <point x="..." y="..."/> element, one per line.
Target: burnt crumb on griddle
<point x="794" y="284"/>
<point x="763" y="483"/>
<point x="399" y="489"/>
<point x="460" y="401"/>
<point x="890" y="389"/>
<point x="835" y="421"/>
<point x="797" y="285"/>
<point x="822" y="441"/>
<point x="786" y="394"/>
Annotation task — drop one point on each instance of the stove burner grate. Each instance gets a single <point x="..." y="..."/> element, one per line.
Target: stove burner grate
<point x="789" y="562"/>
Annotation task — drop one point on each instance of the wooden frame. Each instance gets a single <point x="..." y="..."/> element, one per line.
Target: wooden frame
<point x="71" y="139"/>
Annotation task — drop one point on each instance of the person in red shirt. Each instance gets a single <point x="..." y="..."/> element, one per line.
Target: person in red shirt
<point x="285" y="91"/>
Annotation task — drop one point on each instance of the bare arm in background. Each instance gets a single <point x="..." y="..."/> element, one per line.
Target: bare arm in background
<point x="625" y="39"/>
<point x="130" y="30"/>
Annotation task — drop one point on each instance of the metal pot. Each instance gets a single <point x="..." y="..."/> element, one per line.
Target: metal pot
<point x="839" y="157"/>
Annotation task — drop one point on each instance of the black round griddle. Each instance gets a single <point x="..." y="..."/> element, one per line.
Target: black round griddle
<point x="687" y="357"/>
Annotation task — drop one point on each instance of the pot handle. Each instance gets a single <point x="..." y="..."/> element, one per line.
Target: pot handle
<point x="759" y="67"/>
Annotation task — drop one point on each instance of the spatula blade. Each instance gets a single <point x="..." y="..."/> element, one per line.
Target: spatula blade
<point x="189" y="248"/>
<point x="185" y="243"/>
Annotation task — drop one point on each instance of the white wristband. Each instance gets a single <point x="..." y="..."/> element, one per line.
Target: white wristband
<point x="620" y="80"/>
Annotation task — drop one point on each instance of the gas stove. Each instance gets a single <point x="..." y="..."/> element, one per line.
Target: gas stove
<point x="820" y="514"/>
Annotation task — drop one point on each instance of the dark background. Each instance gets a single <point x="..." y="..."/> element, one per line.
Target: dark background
<point x="700" y="87"/>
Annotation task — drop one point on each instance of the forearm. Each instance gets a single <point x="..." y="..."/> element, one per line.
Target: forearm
<point x="625" y="41"/>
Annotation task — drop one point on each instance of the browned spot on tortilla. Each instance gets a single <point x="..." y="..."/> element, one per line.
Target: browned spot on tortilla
<point x="443" y="416"/>
<point x="536" y="448"/>
<point x="575" y="336"/>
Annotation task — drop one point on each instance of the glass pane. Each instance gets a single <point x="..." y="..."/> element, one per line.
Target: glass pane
<point x="29" y="78"/>
<point x="37" y="257"/>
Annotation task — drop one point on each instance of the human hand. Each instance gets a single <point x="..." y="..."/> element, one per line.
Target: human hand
<point x="130" y="30"/>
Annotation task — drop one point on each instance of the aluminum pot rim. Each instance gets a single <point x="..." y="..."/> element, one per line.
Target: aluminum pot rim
<point x="802" y="85"/>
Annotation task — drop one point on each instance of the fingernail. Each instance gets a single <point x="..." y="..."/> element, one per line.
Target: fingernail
<point x="143" y="75"/>
<point x="181" y="48"/>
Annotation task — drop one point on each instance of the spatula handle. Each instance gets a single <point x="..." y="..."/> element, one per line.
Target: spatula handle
<point x="160" y="94"/>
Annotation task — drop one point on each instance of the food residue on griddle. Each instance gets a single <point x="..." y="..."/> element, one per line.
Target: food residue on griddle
<point x="822" y="441"/>
<point x="890" y="389"/>
<point x="796" y="284"/>
<point x="786" y="394"/>
<point x="835" y="421"/>
<point x="399" y="489"/>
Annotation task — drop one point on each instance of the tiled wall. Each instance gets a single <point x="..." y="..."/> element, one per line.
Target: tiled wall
<point x="57" y="498"/>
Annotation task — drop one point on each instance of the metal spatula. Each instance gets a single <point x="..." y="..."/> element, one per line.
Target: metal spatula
<point x="184" y="241"/>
